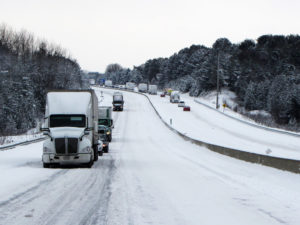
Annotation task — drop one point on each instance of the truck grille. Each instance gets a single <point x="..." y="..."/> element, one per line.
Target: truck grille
<point x="72" y="145"/>
<point x="63" y="144"/>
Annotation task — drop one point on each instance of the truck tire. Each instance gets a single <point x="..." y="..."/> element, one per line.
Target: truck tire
<point x="100" y="153"/>
<point x="106" y="149"/>
<point x="95" y="153"/>
<point x="109" y="138"/>
<point x="89" y="164"/>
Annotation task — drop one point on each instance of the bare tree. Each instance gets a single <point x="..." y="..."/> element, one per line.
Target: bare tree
<point x="113" y="68"/>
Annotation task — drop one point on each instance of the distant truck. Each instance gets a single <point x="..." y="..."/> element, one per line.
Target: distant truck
<point x="108" y="83"/>
<point x="175" y="97"/>
<point x="152" y="89"/>
<point x="118" y="101"/>
<point x="72" y="128"/>
<point x="92" y="81"/>
<point x="130" y="86"/>
<point x="142" y="87"/>
<point x="105" y="119"/>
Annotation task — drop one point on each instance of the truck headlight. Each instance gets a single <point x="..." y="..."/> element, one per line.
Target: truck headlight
<point x="86" y="149"/>
<point x="108" y="132"/>
<point x="47" y="150"/>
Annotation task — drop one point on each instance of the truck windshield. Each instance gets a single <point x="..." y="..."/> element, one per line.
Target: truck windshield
<point x="104" y="122"/>
<point x="67" y="121"/>
<point x="118" y="98"/>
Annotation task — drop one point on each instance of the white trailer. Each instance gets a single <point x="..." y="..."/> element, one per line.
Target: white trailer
<point x="152" y="89"/>
<point x="118" y="101"/>
<point x="142" y="87"/>
<point x="71" y="122"/>
<point x="92" y="81"/>
<point x="130" y="86"/>
<point x="175" y="97"/>
<point x="108" y="83"/>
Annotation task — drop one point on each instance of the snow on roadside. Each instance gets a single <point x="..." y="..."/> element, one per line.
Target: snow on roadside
<point x="229" y="98"/>
<point x="212" y="127"/>
<point x="24" y="160"/>
<point x="11" y="140"/>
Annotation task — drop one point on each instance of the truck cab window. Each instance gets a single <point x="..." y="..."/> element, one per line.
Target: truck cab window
<point x="67" y="121"/>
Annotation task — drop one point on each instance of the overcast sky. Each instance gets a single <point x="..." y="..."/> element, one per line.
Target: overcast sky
<point x="129" y="32"/>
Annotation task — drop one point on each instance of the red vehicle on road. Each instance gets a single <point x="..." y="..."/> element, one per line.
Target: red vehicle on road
<point x="186" y="108"/>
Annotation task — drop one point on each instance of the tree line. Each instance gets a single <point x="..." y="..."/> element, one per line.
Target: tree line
<point x="28" y="68"/>
<point x="264" y="74"/>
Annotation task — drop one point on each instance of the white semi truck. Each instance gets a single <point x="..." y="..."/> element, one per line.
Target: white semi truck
<point x="130" y="85"/>
<point x="118" y="101"/>
<point x="175" y="97"/>
<point x="108" y="83"/>
<point x="152" y="89"/>
<point x="142" y="87"/>
<point x="71" y="122"/>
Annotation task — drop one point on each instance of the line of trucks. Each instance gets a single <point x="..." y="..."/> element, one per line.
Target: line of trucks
<point x="78" y="129"/>
<point x="142" y="87"/>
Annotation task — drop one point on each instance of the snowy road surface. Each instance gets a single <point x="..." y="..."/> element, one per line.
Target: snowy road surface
<point x="150" y="176"/>
<point x="210" y="126"/>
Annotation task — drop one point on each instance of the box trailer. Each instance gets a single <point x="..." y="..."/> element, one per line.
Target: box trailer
<point x="175" y="97"/>
<point x="108" y="83"/>
<point x="152" y="89"/>
<point x="118" y="101"/>
<point x="142" y="87"/>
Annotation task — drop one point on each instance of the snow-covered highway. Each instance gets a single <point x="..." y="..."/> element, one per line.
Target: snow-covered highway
<point x="150" y="176"/>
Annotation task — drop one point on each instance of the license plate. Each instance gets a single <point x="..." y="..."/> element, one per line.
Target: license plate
<point x="66" y="158"/>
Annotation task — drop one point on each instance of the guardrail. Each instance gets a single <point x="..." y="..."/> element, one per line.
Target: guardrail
<point x="271" y="161"/>
<point x="2" y="148"/>
<point x="250" y="124"/>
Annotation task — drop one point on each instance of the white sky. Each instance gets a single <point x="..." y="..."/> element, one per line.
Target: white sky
<point x="129" y="32"/>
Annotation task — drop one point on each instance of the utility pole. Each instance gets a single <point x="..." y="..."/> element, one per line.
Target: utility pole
<point x="217" y="100"/>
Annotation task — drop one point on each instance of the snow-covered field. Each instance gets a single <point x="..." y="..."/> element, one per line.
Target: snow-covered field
<point x="210" y="126"/>
<point x="150" y="176"/>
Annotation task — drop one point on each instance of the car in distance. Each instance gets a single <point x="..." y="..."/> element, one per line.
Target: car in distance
<point x="181" y="104"/>
<point x="186" y="108"/>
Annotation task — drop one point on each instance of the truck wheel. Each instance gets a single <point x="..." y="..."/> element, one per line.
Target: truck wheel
<point x="89" y="164"/>
<point x="109" y="138"/>
<point x="95" y="153"/>
<point x="100" y="153"/>
<point x="106" y="149"/>
<point x="46" y="165"/>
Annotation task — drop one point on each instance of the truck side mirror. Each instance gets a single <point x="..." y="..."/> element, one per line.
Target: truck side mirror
<point x="112" y="124"/>
<point x="87" y="129"/>
<point x="85" y="132"/>
<point x="44" y="130"/>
